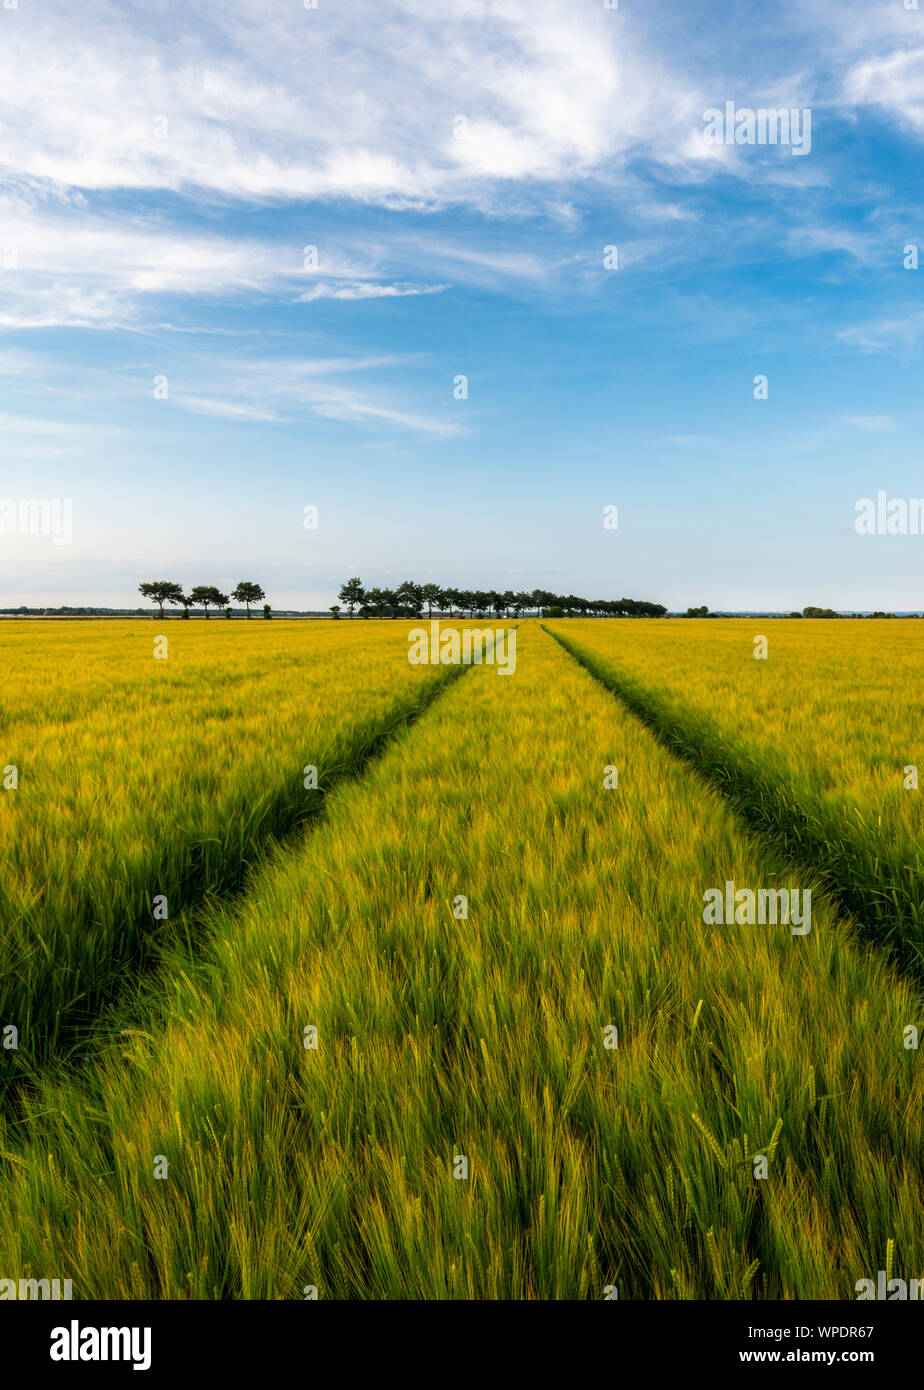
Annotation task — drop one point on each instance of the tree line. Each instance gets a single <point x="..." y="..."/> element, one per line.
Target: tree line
<point x="811" y="611"/>
<point x="161" y="591"/>
<point x="410" y="600"/>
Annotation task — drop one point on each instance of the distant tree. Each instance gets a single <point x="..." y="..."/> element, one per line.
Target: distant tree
<point x="702" y="612"/>
<point x="267" y="611"/>
<point x="374" y="601"/>
<point x="431" y="594"/>
<point x="352" y="594"/>
<point x="248" y="593"/>
<point x="161" y="591"/>
<point x="201" y="593"/>
<point x="380" y="602"/>
<point x="335" y="609"/>
<point x="554" y="611"/>
<point x="208" y="594"/>
<point x="409" y="596"/>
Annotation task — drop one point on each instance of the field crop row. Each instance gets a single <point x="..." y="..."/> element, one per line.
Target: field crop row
<point x="814" y="744"/>
<point x="143" y="779"/>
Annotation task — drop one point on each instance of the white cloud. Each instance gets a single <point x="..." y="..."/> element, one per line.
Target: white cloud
<point x="284" y="390"/>
<point x="902" y="331"/>
<point x="245" y="102"/>
<point x="893" y="82"/>
<point x="75" y="269"/>
<point x="364" y="289"/>
<point x="254" y="103"/>
<point x="345" y="405"/>
<point x="81" y="270"/>
<point x="231" y="410"/>
<point x="871" y="422"/>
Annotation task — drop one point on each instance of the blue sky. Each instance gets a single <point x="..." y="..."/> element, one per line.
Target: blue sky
<point x="162" y="170"/>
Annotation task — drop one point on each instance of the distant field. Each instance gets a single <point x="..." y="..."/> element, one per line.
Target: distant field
<point x="503" y="871"/>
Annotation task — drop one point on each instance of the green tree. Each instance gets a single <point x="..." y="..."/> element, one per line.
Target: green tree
<point x="161" y="591"/>
<point x="352" y="594"/>
<point x="431" y="594"/>
<point x="208" y="594"/>
<point x="409" y="596"/>
<point x="335" y="609"/>
<point x="380" y="601"/>
<point x="449" y="598"/>
<point x="248" y="593"/>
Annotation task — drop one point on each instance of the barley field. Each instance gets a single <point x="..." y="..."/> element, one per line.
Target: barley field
<point x="454" y="1025"/>
<point x="143" y="777"/>
<point x="818" y="742"/>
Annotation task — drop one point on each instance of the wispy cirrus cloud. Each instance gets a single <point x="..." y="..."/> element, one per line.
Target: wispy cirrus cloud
<point x="871" y="422"/>
<point x="901" y="331"/>
<point x="285" y="390"/>
<point x="228" y="410"/>
<point x="366" y="289"/>
<point x="336" y="404"/>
